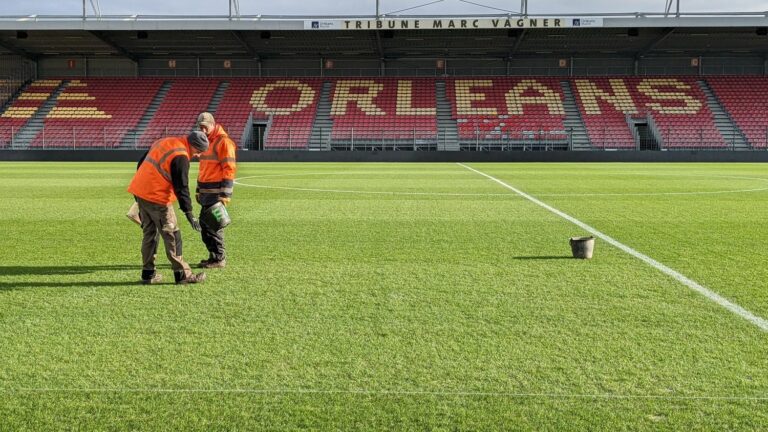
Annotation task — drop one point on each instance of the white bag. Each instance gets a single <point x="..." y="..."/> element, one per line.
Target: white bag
<point x="133" y="214"/>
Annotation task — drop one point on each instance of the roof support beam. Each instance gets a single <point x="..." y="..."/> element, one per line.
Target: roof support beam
<point x="667" y="32"/>
<point x="18" y="51"/>
<point x="248" y="48"/>
<point x="124" y="52"/>
<point x="379" y="46"/>
<point x="518" y="41"/>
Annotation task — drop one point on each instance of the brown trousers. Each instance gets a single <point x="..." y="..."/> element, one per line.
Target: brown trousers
<point x="159" y="219"/>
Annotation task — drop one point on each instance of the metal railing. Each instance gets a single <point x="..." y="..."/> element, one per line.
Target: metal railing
<point x="413" y="139"/>
<point x="262" y="18"/>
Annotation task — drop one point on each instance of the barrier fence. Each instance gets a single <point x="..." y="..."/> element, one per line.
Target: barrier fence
<point x="388" y="139"/>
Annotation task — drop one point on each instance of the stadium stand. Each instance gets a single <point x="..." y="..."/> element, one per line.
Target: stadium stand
<point x="383" y="109"/>
<point x="24" y="107"/>
<point x="674" y="106"/>
<point x="746" y="100"/>
<point x="187" y="98"/>
<point x="96" y="112"/>
<point x="604" y="103"/>
<point x="7" y="88"/>
<point x="679" y="110"/>
<point x="516" y="109"/>
<point x="289" y="103"/>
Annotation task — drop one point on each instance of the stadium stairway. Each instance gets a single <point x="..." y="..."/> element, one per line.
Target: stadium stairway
<point x="10" y="125"/>
<point x="447" y="130"/>
<point x="218" y="95"/>
<point x="11" y="98"/>
<point x="323" y="124"/>
<point x="647" y="136"/>
<point x="731" y="133"/>
<point x="573" y="121"/>
<point x="35" y="124"/>
<point x="133" y="135"/>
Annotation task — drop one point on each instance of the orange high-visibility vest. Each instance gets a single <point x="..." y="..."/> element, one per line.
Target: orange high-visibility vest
<point x="217" y="165"/>
<point x="152" y="182"/>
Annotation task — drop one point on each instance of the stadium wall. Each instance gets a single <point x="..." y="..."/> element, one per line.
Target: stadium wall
<point x="405" y="156"/>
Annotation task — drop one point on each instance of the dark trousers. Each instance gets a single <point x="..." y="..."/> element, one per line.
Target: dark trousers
<point x="159" y="219"/>
<point x="213" y="239"/>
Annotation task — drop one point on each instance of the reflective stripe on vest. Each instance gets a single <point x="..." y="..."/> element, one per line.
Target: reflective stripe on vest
<point x="153" y="181"/>
<point x="159" y="163"/>
<point x="214" y="156"/>
<point x="210" y="180"/>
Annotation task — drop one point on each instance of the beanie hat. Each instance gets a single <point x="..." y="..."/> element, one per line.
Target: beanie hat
<point x="198" y="140"/>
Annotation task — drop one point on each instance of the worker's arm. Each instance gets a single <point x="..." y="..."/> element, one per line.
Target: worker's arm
<point x="227" y="156"/>
<point x="144" y="156"/>
<point x="180" y="181"/>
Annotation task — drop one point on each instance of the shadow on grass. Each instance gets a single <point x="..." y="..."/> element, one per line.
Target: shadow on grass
<point x="550" y="257"/>
<point x="8" y="286"/>
<point x="65" y="270"/>
<point x="54" y="271"/>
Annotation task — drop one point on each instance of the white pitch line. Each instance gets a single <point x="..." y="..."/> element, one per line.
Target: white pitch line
<point x="359" y="192"/>
<point x="371" y="192"/>
<point x="711" y="295"/>
<point x="384" y="393"/>
<point x="597" y="194"/>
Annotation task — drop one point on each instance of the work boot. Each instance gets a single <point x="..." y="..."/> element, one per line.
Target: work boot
<point x="205" y="262"/>
<point x="182" y="279"/>
<point x="149" y="277"/>
<point x="211" y="264"/>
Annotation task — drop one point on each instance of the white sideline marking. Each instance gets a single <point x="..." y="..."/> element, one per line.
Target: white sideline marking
<point x="371" y="192"/>
<point x="722" y="301"/>
<point x="384" y="393"/>
<point x="597" y="194"/>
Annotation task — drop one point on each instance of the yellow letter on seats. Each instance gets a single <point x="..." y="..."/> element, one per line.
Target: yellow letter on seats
<point x="465" y="97"/>
<point x="405" y="101"/>
<point x="306" y="97"/>
<point x="691" y="105"/>
<point x="516" y="100"/>
<point x="342" y="97"/>
<point x="589" y="92"/>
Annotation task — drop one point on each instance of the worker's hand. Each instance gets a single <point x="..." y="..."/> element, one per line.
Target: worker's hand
<point x="193" y="221"/>
<point x="225" y="200"/>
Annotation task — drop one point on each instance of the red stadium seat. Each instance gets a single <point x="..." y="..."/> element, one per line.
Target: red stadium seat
<point x="745" y="98"/>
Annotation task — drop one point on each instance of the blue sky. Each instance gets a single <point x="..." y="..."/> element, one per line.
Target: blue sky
<point x="358" y="7"/>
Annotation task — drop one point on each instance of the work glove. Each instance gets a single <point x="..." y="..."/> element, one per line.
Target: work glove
<point x="225" y="200"/>
<point x="193" y="221"/>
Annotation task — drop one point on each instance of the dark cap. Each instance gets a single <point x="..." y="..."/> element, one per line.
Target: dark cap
<point x="198" y="140"/>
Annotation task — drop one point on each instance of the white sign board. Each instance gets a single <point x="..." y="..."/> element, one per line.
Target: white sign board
<point x="458" y="23"/>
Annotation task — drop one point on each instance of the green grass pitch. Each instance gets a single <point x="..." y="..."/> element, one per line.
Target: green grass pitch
<point x="390" y="297"/>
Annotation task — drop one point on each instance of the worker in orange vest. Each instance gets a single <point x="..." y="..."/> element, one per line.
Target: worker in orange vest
<point x="215" y="183"/>
<point x="162" y="178"/>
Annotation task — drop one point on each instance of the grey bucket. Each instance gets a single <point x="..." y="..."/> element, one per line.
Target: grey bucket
<point x="582" y="247"/>
<point x="216" y="216"/>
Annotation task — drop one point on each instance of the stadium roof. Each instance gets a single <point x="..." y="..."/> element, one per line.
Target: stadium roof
<point x="502" y="36"/>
